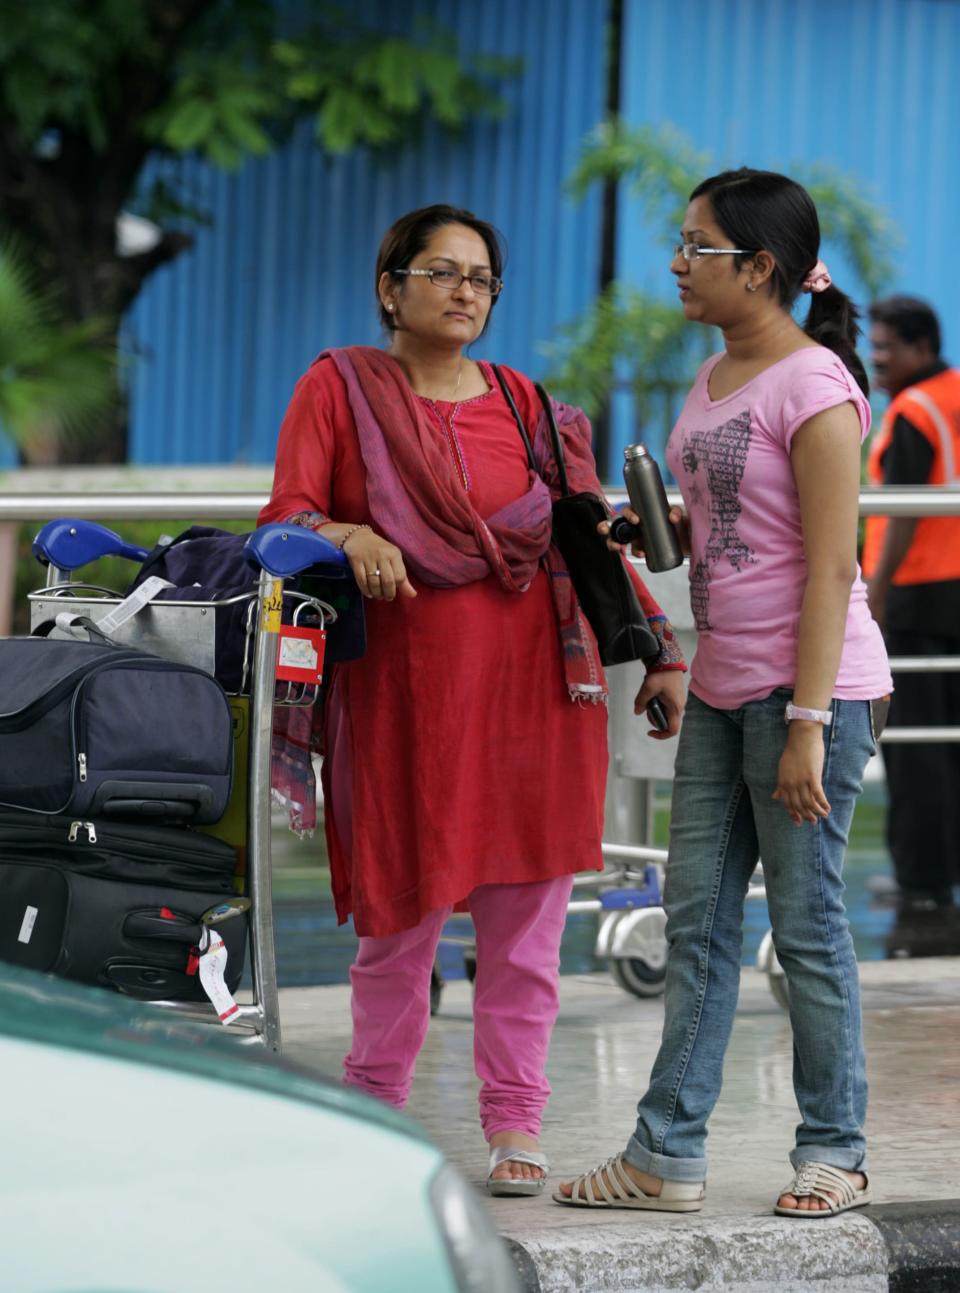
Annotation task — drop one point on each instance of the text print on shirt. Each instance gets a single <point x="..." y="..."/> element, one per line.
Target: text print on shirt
<point x="721" y="453"/>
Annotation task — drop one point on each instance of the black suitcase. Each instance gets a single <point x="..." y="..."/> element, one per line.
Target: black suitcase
<point x="115" y="904"/>
<point x="96" y="730"/>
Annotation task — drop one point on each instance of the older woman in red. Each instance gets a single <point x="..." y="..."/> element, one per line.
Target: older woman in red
<point x="465" y="752"/>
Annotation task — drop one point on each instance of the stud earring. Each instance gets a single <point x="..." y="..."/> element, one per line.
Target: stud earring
<point x="751" y="287"/>
<point x="391" y="306"/>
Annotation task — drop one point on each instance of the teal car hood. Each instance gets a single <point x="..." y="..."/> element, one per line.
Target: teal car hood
<point x="40" y="1008"/>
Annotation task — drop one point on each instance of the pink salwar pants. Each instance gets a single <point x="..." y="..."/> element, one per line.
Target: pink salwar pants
<point x="516" y="998"/>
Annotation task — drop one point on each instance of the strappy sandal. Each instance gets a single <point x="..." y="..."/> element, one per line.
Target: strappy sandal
<point x="822" y="1181"/>
<point x="516" y="1185"/>
<point x="622" y="1192"/>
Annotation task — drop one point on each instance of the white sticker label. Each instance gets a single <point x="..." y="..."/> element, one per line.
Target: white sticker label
<point x="297" y="653"/>
<point x="213" y="962"/>
<point x="26" y="926"/>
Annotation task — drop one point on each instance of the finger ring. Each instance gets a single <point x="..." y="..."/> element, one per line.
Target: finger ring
<point x="374" y="574"/>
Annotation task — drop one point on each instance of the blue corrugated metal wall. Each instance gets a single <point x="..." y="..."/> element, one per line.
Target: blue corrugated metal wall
<point x="870" y="87"/>
<point x="287" y="267"/>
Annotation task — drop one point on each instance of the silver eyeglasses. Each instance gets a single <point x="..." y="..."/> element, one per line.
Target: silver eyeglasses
<point x="693" y="251"/>
<point x="450" y="280"/>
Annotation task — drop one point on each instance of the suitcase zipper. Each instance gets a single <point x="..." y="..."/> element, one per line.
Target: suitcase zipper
<point x="82" y="761"/>
<point x="76" y="827"/>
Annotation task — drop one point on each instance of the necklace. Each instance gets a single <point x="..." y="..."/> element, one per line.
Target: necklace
<point x="457" y="387"/>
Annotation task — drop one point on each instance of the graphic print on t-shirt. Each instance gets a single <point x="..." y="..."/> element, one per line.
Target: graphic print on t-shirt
<point x="721" y="453"/>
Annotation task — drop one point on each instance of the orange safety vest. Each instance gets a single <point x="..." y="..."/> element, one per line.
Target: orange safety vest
<point x="933" y="407"/>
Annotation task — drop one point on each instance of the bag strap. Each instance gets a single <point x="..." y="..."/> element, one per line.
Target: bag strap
<point x="524" y="436"/>
<point x="555" y="439"/>
<point x="508" y="396"/>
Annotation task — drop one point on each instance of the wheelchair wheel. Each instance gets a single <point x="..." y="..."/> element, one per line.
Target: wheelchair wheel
<point x="637" y="977"/>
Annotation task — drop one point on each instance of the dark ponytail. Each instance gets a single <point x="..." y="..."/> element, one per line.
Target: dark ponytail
<point x="770" y="212"/>
<point x="832" y="321"/>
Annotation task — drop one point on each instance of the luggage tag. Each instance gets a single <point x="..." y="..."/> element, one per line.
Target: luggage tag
<point x="300" y="654"/>
<point x="213" y="961"/>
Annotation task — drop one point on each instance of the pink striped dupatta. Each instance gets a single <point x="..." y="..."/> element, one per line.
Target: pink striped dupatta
<point x="417" y="502"/>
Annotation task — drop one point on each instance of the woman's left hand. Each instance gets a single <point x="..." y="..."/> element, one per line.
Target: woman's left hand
<point x="799" y="783"/>
<point x="667" y="686"/>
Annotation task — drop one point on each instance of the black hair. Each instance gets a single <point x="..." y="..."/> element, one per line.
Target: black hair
<point x="764" y="211"/>
<point x="910" y="318"/>
<point x="408" y="236"/>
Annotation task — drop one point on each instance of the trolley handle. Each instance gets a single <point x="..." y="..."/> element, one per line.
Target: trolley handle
<point x="68" y="544"/>
<point x="285" y="550"/>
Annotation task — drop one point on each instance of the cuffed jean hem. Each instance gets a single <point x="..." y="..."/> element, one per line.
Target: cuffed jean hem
<point x="691" y="1171"/>
<point x="848" y="1160"/>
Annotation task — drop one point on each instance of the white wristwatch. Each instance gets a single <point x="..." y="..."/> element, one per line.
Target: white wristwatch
<point x="793" y="711"/>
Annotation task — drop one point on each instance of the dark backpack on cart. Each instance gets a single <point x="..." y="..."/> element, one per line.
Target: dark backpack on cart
<point x="208" y="565"/>
<point x="116" y="904"/>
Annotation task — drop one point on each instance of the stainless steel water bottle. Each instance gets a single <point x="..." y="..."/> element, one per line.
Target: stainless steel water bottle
<point x="648" y="499"/>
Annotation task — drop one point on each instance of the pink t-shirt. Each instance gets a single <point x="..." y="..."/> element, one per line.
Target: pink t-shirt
<point x="731" y="459"/>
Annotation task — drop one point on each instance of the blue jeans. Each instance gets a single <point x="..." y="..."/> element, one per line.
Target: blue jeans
<point x="723" y="817"/>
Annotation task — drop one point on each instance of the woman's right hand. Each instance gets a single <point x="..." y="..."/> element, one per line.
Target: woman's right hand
<point x="377" y="566"/>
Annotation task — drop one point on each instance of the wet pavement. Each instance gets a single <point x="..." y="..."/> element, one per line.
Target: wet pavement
<point x="603" y="1046"/>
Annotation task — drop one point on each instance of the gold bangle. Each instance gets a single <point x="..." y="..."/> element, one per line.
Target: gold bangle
<point x="353" y="529"/>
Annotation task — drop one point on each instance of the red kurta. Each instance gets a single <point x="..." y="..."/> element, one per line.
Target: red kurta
<point x="454" y="755"/>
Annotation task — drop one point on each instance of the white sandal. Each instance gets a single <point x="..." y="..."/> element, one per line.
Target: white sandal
<point x="516" y="1185"/>
<point x="821" y="1181"/>
<point x="674" y="1196"/>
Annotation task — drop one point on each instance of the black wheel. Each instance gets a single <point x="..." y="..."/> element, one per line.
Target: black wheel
<point x="436" y="988"/>
<point x="637" y="977"/>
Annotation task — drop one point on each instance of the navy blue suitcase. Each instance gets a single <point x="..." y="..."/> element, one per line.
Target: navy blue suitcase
<point x="94" y="730"/>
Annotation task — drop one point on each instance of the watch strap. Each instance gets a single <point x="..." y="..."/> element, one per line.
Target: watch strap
<point x="824" y="716"/>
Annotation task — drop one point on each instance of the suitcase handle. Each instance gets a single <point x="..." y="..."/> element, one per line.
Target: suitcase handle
<point x="173" y="928"/>
<point x="71" y="622"/>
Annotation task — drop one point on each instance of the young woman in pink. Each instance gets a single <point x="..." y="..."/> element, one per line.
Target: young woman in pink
<point x="465" y="752"/>
<point x="781" y="716"/>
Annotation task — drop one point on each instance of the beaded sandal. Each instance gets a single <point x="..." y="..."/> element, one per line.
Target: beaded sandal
<point x="821" y="1181"/>
<point x="622" y="1192"/>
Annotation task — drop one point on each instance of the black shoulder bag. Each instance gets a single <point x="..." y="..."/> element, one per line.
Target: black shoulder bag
<point x="604" y="590"/>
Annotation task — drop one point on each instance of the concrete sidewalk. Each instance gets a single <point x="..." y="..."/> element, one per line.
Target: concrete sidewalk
<point x="603" y="1047"/>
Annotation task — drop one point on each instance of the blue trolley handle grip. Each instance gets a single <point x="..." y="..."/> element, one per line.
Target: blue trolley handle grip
<point x="69" y="543"/>
<point x="285" y="550"/>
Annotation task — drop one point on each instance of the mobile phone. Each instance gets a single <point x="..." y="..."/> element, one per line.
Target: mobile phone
<point x="657" y="715"/>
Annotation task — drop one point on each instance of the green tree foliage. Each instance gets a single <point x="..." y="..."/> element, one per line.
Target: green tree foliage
<point x="637" y="340"/>
<point x="55" y="379"/>
<point x="89" y="89"/>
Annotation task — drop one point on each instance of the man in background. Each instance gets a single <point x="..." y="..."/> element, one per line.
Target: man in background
<point x="912" y="567"/>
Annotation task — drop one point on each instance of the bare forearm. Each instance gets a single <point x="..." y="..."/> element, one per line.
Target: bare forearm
<point x="823" y="619"/>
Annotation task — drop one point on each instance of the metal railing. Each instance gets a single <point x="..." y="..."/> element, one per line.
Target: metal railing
<point x="928" y="500"/>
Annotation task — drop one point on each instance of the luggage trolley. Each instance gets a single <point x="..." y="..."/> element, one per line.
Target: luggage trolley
<point x="184" y="631"/>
